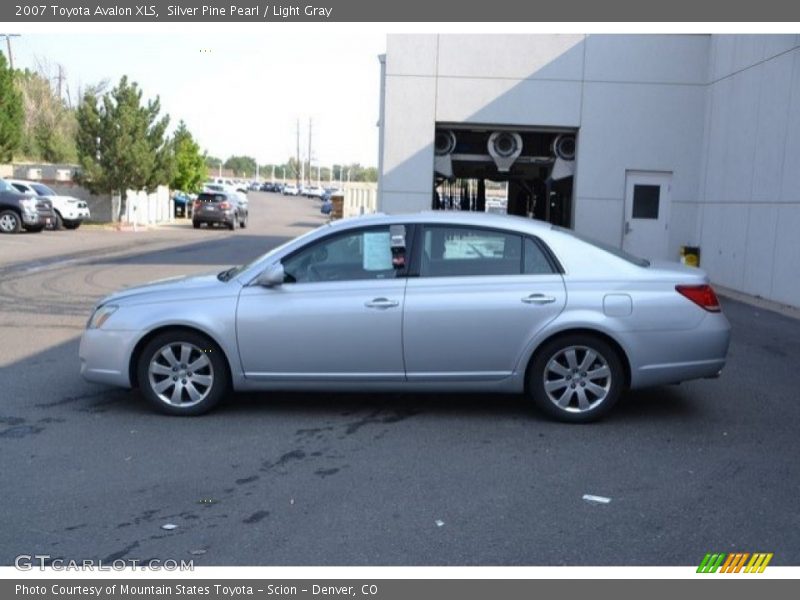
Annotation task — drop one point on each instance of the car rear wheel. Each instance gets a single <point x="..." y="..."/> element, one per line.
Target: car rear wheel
<point x="182" y="373"/>
<point x="243" y="222"/>
<point x="576" y="378"/>
<point x="10" y="222"/>
<point x="232" y="224"/>
<point x="72" y="224"/>
<point x="196" y="224"/>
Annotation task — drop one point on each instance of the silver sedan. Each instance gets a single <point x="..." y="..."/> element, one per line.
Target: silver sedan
<point x="438" y="301"/>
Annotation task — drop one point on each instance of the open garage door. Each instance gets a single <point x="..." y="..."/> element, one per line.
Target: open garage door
<point x="495" y="168"/>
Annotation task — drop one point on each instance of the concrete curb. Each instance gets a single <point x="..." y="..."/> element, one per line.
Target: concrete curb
<point x="783" y="309"/>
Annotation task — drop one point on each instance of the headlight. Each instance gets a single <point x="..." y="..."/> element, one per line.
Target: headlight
<point x="101" y="315"/>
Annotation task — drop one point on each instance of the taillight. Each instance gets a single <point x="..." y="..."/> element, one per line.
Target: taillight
<point x="224" y="205"/>
<point x="702" y="295"/>
<point x="197" y="203"/>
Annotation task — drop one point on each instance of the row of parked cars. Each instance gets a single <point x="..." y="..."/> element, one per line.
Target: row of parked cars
<point x="33" y="206"/>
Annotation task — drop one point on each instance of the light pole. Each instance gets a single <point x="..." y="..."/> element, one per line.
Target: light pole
<point x="8" y="37"/>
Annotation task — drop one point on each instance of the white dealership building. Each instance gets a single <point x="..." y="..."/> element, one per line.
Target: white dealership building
<point x="646" y="142"/>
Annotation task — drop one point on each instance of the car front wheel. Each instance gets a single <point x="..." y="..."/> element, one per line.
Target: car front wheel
<point x="576" y="378"/>
<point x="182" y="373"/>
<point x="10" y="222"/>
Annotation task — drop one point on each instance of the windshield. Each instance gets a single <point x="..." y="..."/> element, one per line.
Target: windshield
<point x="618" y="252"/>
<point x="229" y="274"/>
<point x="43" y="190"/>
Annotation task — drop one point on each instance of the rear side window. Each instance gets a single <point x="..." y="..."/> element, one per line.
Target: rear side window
<point x="20" y="188"/>
<point x="467" y="251"/>
<point x="535" y="260"/>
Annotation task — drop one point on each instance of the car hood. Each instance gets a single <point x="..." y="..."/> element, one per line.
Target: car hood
<point x="187" y="287"/>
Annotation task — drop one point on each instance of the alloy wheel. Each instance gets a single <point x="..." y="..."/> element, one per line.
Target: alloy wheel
<point x="181" y="374"/>
<point x="577" y="379"/>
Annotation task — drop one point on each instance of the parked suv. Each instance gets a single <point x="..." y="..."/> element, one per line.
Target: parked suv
<point x="22" y="211"/>
<point x="221" y="208"/>
<point x="68" y="212"/>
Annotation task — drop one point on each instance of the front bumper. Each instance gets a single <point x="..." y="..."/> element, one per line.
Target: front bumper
<point x="78" y="214"/>
<point x="38" y="218"/>
<point x="105" y="356"/>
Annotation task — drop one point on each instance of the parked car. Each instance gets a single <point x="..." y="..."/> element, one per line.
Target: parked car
<point x="219" y="208"/>
<point x="440" y="301"/>
<point x="291" y="190"/>
<point x="68" y="212"/>
<point x="313" y="191"/>
<point x="183" y="204"/>
<point x="20" y="211"/>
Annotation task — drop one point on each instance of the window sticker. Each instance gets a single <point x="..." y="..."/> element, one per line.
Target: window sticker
<point x="377" y="251"/>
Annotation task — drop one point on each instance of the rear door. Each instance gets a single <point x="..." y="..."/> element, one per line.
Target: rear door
<point x="481" y="296"/>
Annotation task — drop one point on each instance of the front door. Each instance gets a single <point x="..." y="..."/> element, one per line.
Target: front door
<point x="337" y="317"/>
<point x="647" y="205"/>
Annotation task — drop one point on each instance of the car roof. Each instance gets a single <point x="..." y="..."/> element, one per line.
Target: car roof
<point x="454" y="217"/>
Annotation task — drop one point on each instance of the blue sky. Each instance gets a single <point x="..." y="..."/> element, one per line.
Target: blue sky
<point x="239" y="93"/>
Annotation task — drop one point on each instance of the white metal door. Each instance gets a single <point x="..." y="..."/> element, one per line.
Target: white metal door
<point x="647" y="206"/>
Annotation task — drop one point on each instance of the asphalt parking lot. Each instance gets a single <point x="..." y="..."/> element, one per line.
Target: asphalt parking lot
<point x="316" y="479"/>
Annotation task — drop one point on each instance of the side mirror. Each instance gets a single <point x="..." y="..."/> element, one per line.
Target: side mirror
<point x="272" y="276"/>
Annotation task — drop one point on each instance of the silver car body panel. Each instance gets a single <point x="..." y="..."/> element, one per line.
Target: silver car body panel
<point x="443" y="334"/>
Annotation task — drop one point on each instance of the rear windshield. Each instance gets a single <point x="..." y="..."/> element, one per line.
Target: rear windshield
<point x="618" y="252"/>
<point x="206" y="197"/>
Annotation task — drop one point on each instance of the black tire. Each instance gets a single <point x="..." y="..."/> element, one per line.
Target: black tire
<point x="196" y="224"/>
<point x="201" y="347"/>
<point x="35" y="228"/>
<point x="58" y="222"/>
<point x="575" y="388"/>
<point x="231" y="225"/>
<point x="10" y="222"/>
<point x="72" y="224"/>
<point x="243" y="223"/>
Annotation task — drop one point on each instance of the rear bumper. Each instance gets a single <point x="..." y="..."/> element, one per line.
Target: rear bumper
<point x="215" y="217"/>
<point x="674" y="356"/>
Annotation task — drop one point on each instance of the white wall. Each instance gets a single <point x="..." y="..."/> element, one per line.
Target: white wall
<point x="722" y="113"/>
<point x="748" y="214"/>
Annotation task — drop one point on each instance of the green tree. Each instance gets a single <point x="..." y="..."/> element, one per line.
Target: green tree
<point x="242" y="166"/>
<point x="49" y="125"/>
<point x="121" y="142"/>
<point x="11" y="113"/>
<point x="190" y="164"/>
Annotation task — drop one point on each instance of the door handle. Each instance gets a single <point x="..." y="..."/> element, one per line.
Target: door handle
<point x="538" y="299"/>
<point x="381" y="303"/>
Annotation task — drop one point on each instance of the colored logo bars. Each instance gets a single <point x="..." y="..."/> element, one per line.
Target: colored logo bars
<point x="735" y="562"/>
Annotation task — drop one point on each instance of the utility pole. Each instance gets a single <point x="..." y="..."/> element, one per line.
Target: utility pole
<point x="297" y="166"/>
<point x="8" y="37"/>
<point x="60" y="78"/>
<point x="309" y="151"/>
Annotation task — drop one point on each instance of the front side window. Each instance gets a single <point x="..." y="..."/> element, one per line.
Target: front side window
<point x="355" y="255"/>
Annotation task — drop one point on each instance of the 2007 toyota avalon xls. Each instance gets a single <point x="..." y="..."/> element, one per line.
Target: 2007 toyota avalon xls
<point x="440" y="301"/>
